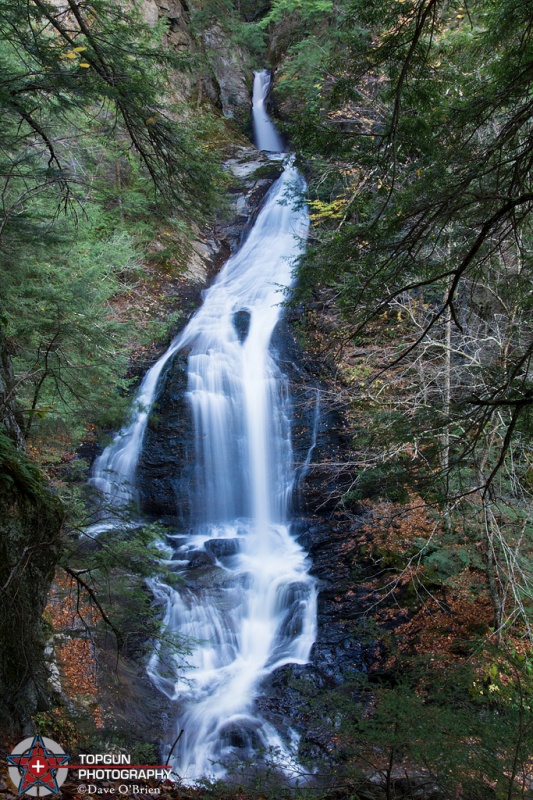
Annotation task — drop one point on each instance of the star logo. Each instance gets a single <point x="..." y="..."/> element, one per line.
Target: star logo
<point x="38" y="766"/>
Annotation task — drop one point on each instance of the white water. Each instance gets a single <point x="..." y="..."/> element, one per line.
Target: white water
<point x="254" y="609"/>
<point x="265" y="134"/>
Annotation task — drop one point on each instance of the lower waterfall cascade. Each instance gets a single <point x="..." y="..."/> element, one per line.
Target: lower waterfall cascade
<point x="253" y="608"/>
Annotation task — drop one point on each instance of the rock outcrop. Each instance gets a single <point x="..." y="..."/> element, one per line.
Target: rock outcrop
<point x="229" y="74"/>
<point x="30" y="524"/>
<point x="223" y="72"/>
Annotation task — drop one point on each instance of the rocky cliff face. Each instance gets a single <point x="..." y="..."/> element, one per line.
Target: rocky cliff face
<point x="7" y="405"/>
<point x="30" y="523"/>
<point x="230" y="76"/>
<point x="223" y="76"/>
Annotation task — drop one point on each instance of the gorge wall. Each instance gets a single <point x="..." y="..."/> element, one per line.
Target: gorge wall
<point x="30" y="525"/>
<point x="223" y="74"/>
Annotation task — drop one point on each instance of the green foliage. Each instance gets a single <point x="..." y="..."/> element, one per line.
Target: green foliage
<point x="97" y="60"/>
<point x="17" y="471"/>
<point x="143" y="753"/>
<point x="465" y="727"/>
<point x="390" y="481"/>
<point x="414" y="123"/>
<point x="308" y="10"/>
<point x="117" y="565"/>
<point x="429" y="209"/>
<point x="451" y="561"/>
<point x="90" y="155"/>
<point x="69" y="346"/>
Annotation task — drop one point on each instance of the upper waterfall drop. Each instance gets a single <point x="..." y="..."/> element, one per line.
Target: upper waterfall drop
<point x="265" y="134"/>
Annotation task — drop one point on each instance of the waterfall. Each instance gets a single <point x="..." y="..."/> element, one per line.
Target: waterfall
<point x="113" y="472"/>
<point x="265" y="133"/>
<point x="252" y="608"/>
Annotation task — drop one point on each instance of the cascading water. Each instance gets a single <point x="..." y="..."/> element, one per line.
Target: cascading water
<point x="265" y="134"/>
<point x="253" y="608"/>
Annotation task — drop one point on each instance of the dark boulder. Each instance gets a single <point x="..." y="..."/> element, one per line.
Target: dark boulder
<point x="223" y="548"/>
<point x="165" y="471"/>
<point x="241" y="323"/>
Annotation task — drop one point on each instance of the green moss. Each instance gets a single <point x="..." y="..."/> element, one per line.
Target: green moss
<point x="16" y="469"/>
<point x="271" y="170"/>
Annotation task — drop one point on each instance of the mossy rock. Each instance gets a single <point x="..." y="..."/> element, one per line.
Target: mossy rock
<point x="271" y="170"/>
<point x="30" y="543"/>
